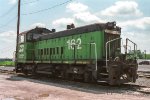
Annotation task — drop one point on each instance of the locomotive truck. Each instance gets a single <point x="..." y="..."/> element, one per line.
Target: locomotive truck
<point x="91" y="53"/>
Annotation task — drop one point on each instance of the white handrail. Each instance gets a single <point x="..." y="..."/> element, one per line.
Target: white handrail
<point x="95" y="55"/>
<point x="106" y="47"/>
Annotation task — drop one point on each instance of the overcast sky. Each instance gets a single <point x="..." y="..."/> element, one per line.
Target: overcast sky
<point x="133" y="16"/>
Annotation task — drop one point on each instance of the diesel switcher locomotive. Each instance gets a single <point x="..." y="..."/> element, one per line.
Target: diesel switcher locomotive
<point x="91" y="53"/>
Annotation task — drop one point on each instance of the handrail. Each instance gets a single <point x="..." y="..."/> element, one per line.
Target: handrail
<point x="106" y="47"/>
<point x="95" y="55"/>
<point x="124" y="46"/>
<point x="135" y="48"/>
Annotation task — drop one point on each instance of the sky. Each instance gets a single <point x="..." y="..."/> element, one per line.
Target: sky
<point x="133" y="16"/>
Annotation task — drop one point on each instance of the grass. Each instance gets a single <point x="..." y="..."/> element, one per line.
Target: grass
<point x="7" y="63"/>
<point x="147" y="56"/>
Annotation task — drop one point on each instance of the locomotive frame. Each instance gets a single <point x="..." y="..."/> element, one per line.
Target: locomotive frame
<point x="91" y="53"/>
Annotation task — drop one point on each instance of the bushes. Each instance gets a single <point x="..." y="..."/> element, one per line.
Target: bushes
<point x="147" y="56"/>
<point x="7" y="63"/>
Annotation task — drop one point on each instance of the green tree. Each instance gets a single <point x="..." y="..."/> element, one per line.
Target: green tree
<point x="139" y="54"/>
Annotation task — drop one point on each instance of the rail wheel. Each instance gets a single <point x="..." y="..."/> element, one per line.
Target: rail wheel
<point x="25" y="72"/>
<point x="87" y="77"/>
<point x="114" y="74"/>
<point x="17" y="68"/>
<point x="33" y="70"/>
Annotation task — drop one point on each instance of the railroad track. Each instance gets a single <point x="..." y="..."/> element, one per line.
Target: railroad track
<point x="141" y="74"/>
<point x="79" y="85"/>
<point x="133" y="89"/>
<point x="144" y="74"/>
<point x="6" y="71"/>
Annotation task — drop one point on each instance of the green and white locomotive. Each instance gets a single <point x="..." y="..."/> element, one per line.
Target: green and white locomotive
<point x="91" y="53"/>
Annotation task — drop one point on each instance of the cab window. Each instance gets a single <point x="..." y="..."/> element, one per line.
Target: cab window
<point x="21" y="38"/>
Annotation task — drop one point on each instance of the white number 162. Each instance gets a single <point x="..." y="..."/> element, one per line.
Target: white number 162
<point x="74" y="43"/>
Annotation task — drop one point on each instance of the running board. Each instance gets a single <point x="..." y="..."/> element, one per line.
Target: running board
<point x="103" y="80"/>
<point x="43" y="72"/>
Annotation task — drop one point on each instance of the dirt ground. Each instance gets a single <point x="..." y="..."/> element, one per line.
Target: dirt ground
<point x="14" y="87"/>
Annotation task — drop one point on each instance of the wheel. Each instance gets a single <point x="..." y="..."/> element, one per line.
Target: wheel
<point x="34" y="68"/>
<point x="25" y="72"/>
<point x="70" y="76"/>
<point x="16" y="69"/>
<point x="114" y="75"/>
<point x="88" y="77"/>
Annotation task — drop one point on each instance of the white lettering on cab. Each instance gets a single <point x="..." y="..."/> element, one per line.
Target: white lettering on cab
<point x="74" y="43"/>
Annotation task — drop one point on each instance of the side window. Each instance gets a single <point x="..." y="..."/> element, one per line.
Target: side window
<point x="41" y="51"/>
<point x="50" y="51"/>
<point x="29" y="37"/>
<point x="45" y="51"/>
<point x="62" y="50"/>
<point x="21" y="38"/>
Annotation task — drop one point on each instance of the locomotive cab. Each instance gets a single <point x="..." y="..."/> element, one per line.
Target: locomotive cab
<point x="25" y="54"/>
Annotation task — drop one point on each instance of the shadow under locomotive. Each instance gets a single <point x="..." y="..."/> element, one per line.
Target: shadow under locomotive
<point x="80" y="86"/>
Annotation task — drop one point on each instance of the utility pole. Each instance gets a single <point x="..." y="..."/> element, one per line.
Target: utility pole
<point x="18" y="30"/>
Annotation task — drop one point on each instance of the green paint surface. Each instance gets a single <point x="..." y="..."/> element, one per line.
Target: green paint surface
<point x="78" y="47"/>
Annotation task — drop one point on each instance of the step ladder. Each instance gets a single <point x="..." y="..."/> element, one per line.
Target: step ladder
<point x="103" y="75"/>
